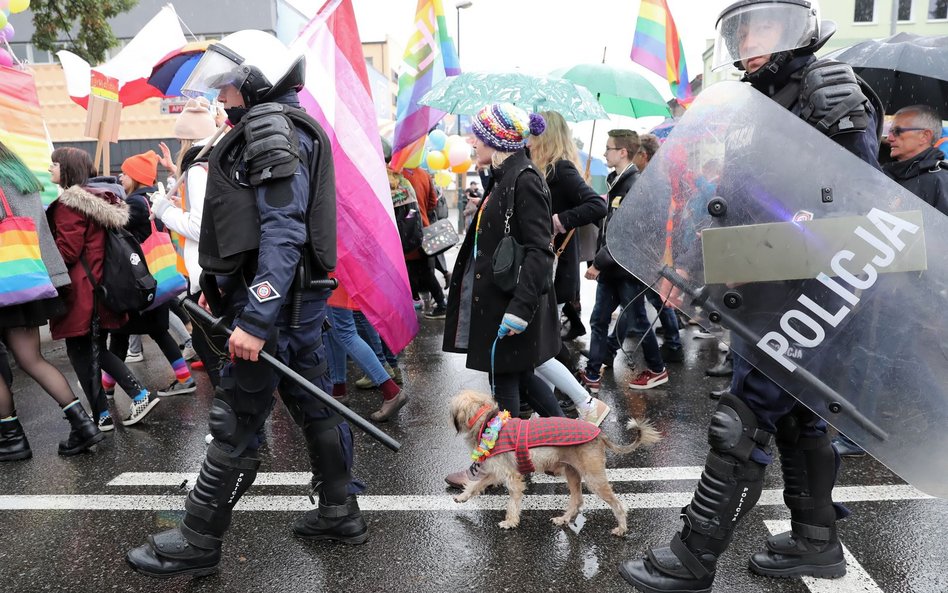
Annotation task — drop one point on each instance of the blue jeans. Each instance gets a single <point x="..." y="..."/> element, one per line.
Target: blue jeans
<point x="343" y="340"/>
<point x="610" y="294"/>
<point x="372" y="338"/>
<point x="666" y="316"/>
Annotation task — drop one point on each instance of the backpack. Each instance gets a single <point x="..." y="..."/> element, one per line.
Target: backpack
<point x="126" y="285"/>
<point x="408" y="221"/>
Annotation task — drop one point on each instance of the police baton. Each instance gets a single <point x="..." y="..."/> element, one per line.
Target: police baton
<point x="373" y="431"/>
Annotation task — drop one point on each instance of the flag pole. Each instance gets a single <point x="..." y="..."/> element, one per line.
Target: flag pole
<point x="589" y="153"/>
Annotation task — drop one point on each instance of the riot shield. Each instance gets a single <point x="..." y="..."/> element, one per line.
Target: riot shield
<point x="831" y="277"/>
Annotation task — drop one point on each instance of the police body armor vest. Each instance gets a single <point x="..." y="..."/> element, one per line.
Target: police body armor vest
<point x="230" y="227"/>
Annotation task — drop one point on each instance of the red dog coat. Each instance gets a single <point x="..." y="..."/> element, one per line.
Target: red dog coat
<point x="520" y="436"/>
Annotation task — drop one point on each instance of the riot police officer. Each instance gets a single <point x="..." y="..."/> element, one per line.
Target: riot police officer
<point x="773" y="41"/>
<point x="268" y="237"/>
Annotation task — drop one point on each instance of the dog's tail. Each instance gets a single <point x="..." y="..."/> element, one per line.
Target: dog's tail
<point x="646" y="435"/>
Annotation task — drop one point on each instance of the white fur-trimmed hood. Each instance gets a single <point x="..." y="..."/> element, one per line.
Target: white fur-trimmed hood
<point x="108" y="214"/>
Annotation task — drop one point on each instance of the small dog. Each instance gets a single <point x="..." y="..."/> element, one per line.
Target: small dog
<point x="471" y="411"/>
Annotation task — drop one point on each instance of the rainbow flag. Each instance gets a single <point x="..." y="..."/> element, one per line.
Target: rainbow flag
<point x="657" y="47"/>
<point x="429" y="58"/>
<point x="371" y="263"/>
<point x="22" y="128"/>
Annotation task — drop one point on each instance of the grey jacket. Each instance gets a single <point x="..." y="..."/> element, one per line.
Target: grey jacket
<point x="31" y="206"/>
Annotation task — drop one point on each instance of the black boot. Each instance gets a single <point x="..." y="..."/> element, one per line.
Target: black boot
<point x="340" y="523"/>
<point x="811" y="547"/>
<point x="194" y="547"/>
<point x="84" y="432"/>
<point x="333" y="522"/>
<point x="13" y="443"/>
<point x="729" y="487"/>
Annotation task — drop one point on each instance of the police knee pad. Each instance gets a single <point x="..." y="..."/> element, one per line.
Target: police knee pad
<point x="733" y="430"/>
<point x="222" y="420"/>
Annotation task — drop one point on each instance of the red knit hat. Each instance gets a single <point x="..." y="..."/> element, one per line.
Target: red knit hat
<point x="143" y="168"/>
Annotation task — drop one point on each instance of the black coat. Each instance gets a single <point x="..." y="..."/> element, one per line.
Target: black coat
<point x="925" y="175"/>
<point x="476" y="306"/>
<point x="619" y="186"/>
<point x="577" y="205"/>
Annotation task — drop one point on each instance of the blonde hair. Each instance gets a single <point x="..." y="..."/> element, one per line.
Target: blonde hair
<point x="179" y="160"/>
<point x="498" y="157"/>
<point x="554" y="144"/>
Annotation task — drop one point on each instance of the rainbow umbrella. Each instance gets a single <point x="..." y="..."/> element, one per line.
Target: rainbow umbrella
<point x="174" y="69"/>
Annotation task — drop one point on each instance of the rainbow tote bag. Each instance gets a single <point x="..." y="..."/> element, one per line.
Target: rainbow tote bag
<point x="23" y="275"/>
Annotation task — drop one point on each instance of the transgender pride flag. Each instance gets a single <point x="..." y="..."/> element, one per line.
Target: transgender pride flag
<point x="371" y="262"/>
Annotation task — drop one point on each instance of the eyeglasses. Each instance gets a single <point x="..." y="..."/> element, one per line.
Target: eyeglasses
<point x="899" y="130"/>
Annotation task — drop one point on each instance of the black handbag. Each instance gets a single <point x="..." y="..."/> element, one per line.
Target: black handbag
<point x="507" y="259"/>
<point x="439" y="237"/>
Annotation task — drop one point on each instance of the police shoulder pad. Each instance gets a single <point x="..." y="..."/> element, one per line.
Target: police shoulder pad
<point x="832" y="98"/>
<point x="272" y="150"/>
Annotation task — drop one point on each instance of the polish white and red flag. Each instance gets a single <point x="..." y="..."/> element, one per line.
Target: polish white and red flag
<point x="132" y="65"/>
<point x="371" y="264"/>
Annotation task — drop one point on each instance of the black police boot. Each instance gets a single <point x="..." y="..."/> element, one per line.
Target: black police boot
<point x="194" y="547"/>
<point x="811" y="547"/>
<point x="729" y="487"/>
<point x="13" y="443"/>
<point x="340" y="523"/>
<point x="84" y="432"/>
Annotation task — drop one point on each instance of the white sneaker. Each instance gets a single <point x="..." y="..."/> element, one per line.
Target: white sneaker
<point x="140" y="409"/>
<point x="178" y="388"/>
<point x="135" y="357"/>
<point x="188" y="353"/>
<point x="596" y="412"/>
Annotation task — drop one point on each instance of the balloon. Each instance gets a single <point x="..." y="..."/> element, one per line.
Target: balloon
<point x="437" y="160"/>
<point x="463" y="167"/>
<point x="4" y="4"/>
<point x="5" y="58"/>
<point x="443" y="178"/>
<point x="458" y="152"/>
<point x="19" y="5"/>
<point x="7" y="32"/>
<point x="436" y="138"/>
<point x="3" y="20"/>
<point x="414" y="160"/>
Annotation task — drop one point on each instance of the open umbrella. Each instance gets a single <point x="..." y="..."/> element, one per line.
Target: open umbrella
<point x="620" y="90"/>
<point x="467" y="93"/>
<point x="905" y="69"/>
<point x="174" y="69"/>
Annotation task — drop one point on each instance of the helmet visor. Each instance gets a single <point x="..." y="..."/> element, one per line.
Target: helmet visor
<point x="761" y="30"/>
<point x="218" y="67"/>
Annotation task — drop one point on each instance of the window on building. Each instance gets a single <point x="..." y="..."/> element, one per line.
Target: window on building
<point x="20" y="51"/>
<point x="938" y="9"/>
<point x="905" y="10"/>
<point x="865" y="11"/>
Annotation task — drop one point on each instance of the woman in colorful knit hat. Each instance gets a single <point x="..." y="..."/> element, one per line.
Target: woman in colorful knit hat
<point x="20" y="323"/>
<point x="506" y="334"/>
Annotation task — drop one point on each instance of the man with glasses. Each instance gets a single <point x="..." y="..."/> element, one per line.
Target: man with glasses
<point x="616" y="287"/>
<point x="918" y="165"/>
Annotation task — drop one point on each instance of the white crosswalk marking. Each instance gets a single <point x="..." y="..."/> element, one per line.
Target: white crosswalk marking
<point x="437" y="502"/>
<point x="857" y="580"/>
<point x="631" y="474"/>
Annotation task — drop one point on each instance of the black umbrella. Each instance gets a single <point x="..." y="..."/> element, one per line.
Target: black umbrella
<point x="905" y="69"/>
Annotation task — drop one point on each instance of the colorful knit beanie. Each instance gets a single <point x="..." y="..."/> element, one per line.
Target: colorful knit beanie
<point x="505" y="127"/>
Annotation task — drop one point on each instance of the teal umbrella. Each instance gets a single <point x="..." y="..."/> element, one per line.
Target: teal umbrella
<point x="467" y="93"/>
<point x="620" y="90"/>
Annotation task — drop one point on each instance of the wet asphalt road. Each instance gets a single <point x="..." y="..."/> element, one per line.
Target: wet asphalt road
<point x="72" y="527"/>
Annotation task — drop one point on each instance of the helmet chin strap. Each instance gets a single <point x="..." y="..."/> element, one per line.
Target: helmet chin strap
<point x="771" y="77"/>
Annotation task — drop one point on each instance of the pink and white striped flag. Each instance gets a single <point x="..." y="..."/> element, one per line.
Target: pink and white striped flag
<point x="371" y="264"/>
